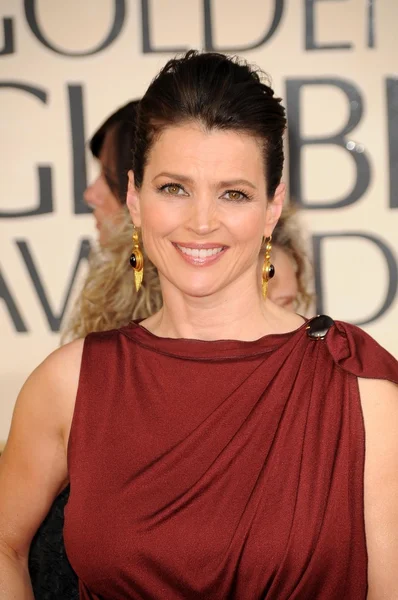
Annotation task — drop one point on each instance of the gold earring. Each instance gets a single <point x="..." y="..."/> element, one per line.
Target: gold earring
<point x="137" y="261"/>
<point x="268" y="268"/>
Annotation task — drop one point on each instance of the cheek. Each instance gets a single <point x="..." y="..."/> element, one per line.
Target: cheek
<point x="100" y="194"/>
<point x="246" y="225"/>
<point x="158" y="218"/>
<point x="237" y="224"/>
<point x="158" y="223"/>
<point x="162" y="216"/>
<point x="284" y="284"/>
<point x="288" y="279"/>
<point x="111" y="205"/>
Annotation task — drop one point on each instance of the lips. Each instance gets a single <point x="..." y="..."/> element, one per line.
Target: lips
<point x="200" y="254"/>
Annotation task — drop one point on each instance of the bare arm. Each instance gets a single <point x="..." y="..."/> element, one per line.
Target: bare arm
<point x="380" y="410"/>
<point x="33" y="467"/>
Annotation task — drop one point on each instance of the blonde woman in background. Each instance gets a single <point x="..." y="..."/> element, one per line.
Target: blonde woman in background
<point x="111" y="145"/>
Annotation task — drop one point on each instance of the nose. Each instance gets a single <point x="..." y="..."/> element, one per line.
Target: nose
<point x="203" y="218"/>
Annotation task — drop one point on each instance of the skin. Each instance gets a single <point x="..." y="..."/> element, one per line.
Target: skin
<point x="207" y="302"/>
<point x="197" y="208"/>
<point x="98" y="195"/>
<point x="283" y="287"/>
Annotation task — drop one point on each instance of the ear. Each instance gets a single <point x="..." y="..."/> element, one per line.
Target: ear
<point x="274" y="209"/>
<point x="133" y="200"/>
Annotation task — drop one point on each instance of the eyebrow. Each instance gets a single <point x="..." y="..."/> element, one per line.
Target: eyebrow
<point x="222" y="184"/>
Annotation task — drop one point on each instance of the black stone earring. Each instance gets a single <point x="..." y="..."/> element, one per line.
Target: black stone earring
<point x="137" y="262"/>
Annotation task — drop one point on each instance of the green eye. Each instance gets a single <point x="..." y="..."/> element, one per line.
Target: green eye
<point x="236" y="196"/>
<point x="173" y="189"/>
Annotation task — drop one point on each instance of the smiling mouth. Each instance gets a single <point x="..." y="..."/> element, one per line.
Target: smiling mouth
<point x="200" y="252"/>
<point x="200" y="255"/>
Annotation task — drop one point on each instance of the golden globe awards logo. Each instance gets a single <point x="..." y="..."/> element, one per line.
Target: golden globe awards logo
<point x="295" y="89"/>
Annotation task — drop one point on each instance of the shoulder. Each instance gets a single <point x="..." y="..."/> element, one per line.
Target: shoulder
<point x="50" y="391"/>
<point x="101" y="338"/>
<point x="61" y="367"/>
<point x="60" y="371"/>
<point x="376" y="370"/>
<point x="353" y="350"/>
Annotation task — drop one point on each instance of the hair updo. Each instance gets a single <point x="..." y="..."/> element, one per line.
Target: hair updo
<point x="219" y="92"/>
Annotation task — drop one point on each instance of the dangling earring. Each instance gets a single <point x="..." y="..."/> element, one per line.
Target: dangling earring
<point x="137" y="261"/>
<point x="268" y="267"/>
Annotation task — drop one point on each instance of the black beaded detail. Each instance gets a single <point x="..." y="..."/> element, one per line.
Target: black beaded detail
<point x="271" y="271"/>
<point x="318" y="327"/>
<point x="133" y="260"/>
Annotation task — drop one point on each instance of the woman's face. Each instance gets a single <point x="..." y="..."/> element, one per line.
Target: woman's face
<point x="99" y="196"/>
<point x="203" y="210"/>
<point x="283" y="287"/>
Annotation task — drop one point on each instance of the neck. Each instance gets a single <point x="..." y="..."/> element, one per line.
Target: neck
<point x="237" y="312"/>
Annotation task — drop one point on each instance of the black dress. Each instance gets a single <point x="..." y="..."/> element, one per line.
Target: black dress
<point x="52" y="576"/>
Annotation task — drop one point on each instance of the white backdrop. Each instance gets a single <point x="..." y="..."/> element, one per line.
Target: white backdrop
<point x="64" y="66"/>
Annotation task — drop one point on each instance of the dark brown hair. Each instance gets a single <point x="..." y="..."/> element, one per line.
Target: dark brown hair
<point x="121" y="125"/>
<point x="221" y="93"/>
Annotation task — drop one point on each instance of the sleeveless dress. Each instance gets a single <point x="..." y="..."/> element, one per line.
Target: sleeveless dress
<point x="221" y="469"/>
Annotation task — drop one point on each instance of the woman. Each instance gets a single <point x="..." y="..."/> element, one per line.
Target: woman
<point x="108" y="300"/>
<point x="216" y="449"/>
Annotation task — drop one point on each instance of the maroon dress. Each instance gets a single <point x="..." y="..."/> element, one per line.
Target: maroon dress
<point x="221" y="469"/>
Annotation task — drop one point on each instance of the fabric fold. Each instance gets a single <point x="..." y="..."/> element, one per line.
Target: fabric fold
<point x="223" y="470"/>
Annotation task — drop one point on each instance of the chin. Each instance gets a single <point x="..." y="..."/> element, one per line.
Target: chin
<point x="197" y="289"/>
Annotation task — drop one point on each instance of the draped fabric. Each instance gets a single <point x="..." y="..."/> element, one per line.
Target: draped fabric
<point x="220" y="469"/>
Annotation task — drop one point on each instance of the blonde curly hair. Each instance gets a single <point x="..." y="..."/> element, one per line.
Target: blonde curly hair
<point x="108" y="299"/>
<point x="288" y="235"/>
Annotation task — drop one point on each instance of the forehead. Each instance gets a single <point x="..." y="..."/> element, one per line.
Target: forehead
<point x="197" y="151"/>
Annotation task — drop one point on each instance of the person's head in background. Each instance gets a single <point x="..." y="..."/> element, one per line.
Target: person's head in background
<point x="291" y="286"/>
<point x="108" y="299"/>
<point x="112" y="146"/>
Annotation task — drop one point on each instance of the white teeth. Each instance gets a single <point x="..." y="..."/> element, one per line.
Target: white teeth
<point x="202" y="253"/>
